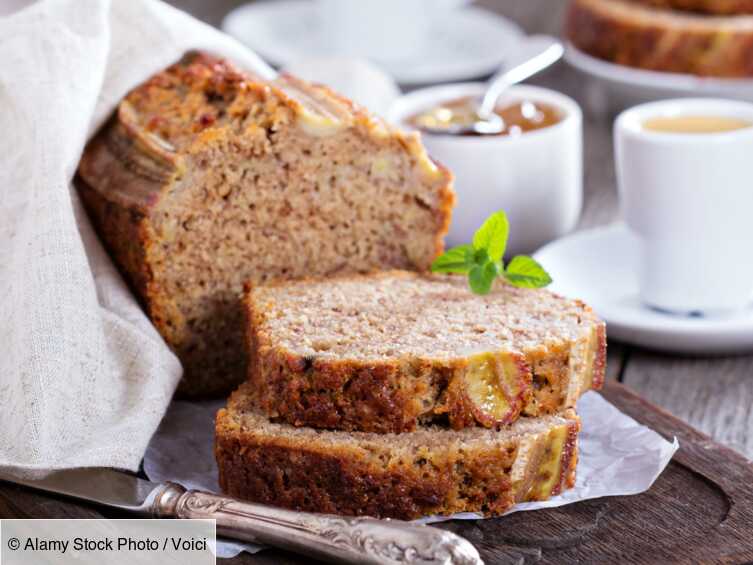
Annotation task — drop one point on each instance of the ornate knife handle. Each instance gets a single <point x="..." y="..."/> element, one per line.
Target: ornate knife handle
<point x="329" y="537"/>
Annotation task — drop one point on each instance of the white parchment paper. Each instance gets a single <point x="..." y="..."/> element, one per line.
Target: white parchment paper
<point x="618" y="456"/>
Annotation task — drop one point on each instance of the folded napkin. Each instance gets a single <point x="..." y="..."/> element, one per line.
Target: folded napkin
<point x="84" y="377"/>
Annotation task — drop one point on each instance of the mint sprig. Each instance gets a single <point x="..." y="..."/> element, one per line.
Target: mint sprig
<point x="482" y="260"/>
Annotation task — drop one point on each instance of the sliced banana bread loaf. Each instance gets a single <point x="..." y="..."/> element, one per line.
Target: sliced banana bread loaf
<point x="636" y="35"/>
<point x="389" y="351"/>
<point x="432" y="470"/>
<point x="207" y="177"/>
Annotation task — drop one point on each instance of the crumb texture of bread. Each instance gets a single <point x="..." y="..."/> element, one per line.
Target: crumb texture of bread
<point x="637" y="35"/>
<point x="390" y="351"/>
<point x="429" y="471"/>
<point x="207" y="177"/>
<point x="714" y="7"/>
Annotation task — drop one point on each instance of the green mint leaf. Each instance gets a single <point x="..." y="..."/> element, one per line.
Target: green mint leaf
<point x="482" y="261"/>
<point x="459" y="259"/>
<point x="480" y="277"/>
<point x="480" y="256"/>
<point x="492" y="235"/>
<point x="525" y="272"/>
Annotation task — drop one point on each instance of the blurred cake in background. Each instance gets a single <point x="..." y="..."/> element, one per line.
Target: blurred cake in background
<point x="676" y="36"/>
<point x="719" y="7"/>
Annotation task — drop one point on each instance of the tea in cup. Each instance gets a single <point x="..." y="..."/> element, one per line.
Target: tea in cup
<point x="685" y="179"/>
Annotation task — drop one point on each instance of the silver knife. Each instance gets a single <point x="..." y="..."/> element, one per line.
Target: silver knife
<point x="334" y="538"/>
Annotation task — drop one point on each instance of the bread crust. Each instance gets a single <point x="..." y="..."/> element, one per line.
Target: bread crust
<point x="398" y="394"/>
<point x="635" y="35"/>
<point x="133" y="167"/>
<point x="342" y="473"/>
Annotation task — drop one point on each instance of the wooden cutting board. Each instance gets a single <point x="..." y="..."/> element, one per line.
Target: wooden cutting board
<point x="700" y="510"/>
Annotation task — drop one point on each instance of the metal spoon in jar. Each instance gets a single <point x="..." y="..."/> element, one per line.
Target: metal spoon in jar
<point x="534" y="55"/>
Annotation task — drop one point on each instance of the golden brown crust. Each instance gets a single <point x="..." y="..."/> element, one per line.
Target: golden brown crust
<point x="638" y="36"/>
<point x="448" y="199"/>
<point x="130" y="174"/>
<point x="133" y="165"/>
<point x="600" y="360"/>
<point x="397" y="394"/>
<point x="714" y="7"/>
<point x="435" y="473"/>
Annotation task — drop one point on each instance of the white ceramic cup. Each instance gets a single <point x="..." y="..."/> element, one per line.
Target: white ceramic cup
<point x="536" y="177"/>
<point x="380" y="29"/>
<point x="688" y="197"/>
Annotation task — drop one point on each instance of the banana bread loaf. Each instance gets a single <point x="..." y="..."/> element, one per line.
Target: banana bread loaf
<point x="631" y="34"/>
<point x="207" y="177"/>
<point x="432" y="470"/>
<point x="388" y="352"/>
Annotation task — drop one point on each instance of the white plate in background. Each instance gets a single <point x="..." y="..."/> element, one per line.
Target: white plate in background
<point x="598" y="266"/>
<point x="627" y="86"/>
<point x="470" y="42"/>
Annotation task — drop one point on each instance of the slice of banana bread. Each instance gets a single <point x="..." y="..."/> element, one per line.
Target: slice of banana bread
<point x="207" y="177"/>
<point x="635" y="35"/>
<point x="389" y="351"/>
<point x="432" y="470"/>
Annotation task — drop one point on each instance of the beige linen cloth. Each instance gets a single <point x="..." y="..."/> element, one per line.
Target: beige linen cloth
<point x="84" y="377"/>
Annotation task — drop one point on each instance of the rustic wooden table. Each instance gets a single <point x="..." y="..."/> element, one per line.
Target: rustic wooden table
<point x="700" y="510"/>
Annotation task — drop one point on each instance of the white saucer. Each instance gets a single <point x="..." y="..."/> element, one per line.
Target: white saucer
<point x="638" y="85"/>
<point x="598" y="266"/>
<point x="469" y="43"/>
